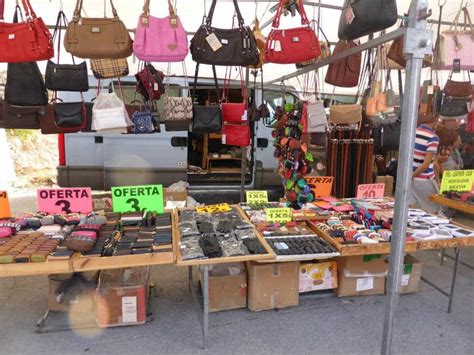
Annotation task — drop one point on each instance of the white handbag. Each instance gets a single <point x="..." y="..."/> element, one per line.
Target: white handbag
<point x="317" y="119"/>
<point x="109" y="113"/>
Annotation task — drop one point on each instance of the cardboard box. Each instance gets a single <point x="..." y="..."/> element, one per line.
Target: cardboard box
<point x="175" y="196"/>
<point x="411" y="275"/>
<point x="361" y="275"/>
<point x="388" y="181"/>
<point x="318" y="276"/>
<point x="227" y="287"/>
<point x="122" y="296"/>
<point x="273" y="285"/>
<point x="81" y="304"/>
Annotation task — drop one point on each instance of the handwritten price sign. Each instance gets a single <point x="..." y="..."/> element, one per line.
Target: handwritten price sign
<point x="222" y="207"/>
<point x="370" y="191"/>
<point x="278" y="215"/>
<point x="62" y="201"/>
<point x="459" y="181"/>
<point x="255" y="197"/>
<point x="5" y="211"/>
<point x="321" y="186"/>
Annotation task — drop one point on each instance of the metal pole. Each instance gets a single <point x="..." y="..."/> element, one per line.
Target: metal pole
<point x="453" y="281"/>
<point x="417" y="44"/>
<point x="205" y="306"/>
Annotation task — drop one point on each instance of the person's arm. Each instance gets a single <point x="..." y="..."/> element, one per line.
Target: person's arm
<point x="424" y="166"/>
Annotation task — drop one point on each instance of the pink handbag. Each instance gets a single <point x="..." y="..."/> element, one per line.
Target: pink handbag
<point x="160" y="39"/>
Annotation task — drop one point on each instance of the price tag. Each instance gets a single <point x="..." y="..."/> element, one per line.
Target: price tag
<point x="280" y="215"/>
<point x="370" y="191"/>
<point x="256" y="197"/>
<point x="138" y="198"/>
<point x="321" y="186"/>
<point x="222" y="207"/>
<point x="5" y="211"/>
<point x="214" y="42"/>
<point x="457" y="180"/>
<point x="62" y="201"/>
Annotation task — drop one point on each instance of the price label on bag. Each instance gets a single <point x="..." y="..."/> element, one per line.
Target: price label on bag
<point x="321" y="186"/>
<point x="5" y="210"/>
<point x="370" y="191"/>
<point x="256" y="197"/>
<point x="457" y="180"/>
<point x="222" y="207"/>
<point x="138" y="198"/>
<point x="62" y="201"/>
<point x="278" y="215"/>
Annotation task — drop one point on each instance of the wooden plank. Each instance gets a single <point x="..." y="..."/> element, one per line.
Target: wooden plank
<point x="456" y="205"/>
<point x="34" y="269"/>
<point x="231" y="259"/>
<point x="121" y="261"/>
<point x="446" y="243"/>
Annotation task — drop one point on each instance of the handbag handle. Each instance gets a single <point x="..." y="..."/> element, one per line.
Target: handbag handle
<point x="61" y="19"/>
<point x="211" y="13"/>
<point x="26" y="6"/>
<point x="78" y="9"/>
<point x="15" y="15"/>
<point x="281" y="4"/>
<point x="196" y="73"/>
<point x="146" y="10"/>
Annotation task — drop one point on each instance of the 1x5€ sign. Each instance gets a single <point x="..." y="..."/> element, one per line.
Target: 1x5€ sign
<point x="278" y="215"/>
<point x="255" y="197"/>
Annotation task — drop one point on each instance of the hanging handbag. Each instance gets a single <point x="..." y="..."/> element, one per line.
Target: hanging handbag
<point x="48" y="121"/>
<point x="237" y="46"/>
<point x="294" y="45"/>
<point x="344" y="72"/>
<point x="109" y="68"/>
<point x="160" y="39"/>
<point x="178" y="110"/>
<point x="345" y="114"/>
<point x="65" y="77"/>
<point x="391" y="131"/>
<point x="206" y="119"/>
<point x="363" y="17"/>
<point x="143" y="122"/>
<point x="470" y="122"/>
<point x="396" y="54"/>
<point x="26" y="41"/>
<point x="25" y="85"/>
<point x="97" y="38"/>
<point x="260" y="40"/>
<point x="452" y="107"/>
<point x="109" y="113"/>
<point x="317" y="119"/>
<point x="237" y="135"/>
<point x="70" y="114"/>
<point x="234" y="112"/>
<point x="458" y="89"/>
<point x="20" y="117"/>
<point x="325" y="50"/>
<point x="150" y="83"/>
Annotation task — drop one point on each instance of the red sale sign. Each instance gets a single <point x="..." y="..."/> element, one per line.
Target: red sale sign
<point x="62" y="201"/>
<point x="370" y="191"/>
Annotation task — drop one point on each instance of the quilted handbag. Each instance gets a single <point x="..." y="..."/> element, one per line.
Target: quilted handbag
<point x="97" y="38"/>
<point x="345" y="114"/>
<point x="150" y="83"/>
<point x="215" y="46"/>
<point x="20" y="117"/>
<point x="70" y="114"/>
<point x="363" y="17"/>
<point x="344" y="72"/>
<point x="294" y="45"/>
<point x="65" y="77"/>
<point x="160" y="39"/>
<point x="26" y="41"/>
<point x="143" y="122"/>
<point x="109" y="68"/>
<point x="238" y="135"/>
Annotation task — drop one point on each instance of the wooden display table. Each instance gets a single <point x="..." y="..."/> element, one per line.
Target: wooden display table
<point x="455" y="205"/>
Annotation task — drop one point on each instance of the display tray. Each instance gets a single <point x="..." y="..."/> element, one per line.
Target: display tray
<point x="455" y="205"/>
<point x="211" y="261"/>
<point x="32" y="269"/>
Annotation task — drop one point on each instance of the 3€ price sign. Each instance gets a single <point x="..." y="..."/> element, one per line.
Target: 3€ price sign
<point x="321" y="186"/>
<point x="138" y="198"/>
<point x="62" y="201"/>
<point x="278" y="215"/>
<point x="256" y="197"/>
<point x="457" y="180"/>
<point x="5" y="211"/>
<point x="370" y="191"/>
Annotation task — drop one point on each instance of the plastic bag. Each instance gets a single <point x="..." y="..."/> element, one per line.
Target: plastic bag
<point x="109" y="112"/>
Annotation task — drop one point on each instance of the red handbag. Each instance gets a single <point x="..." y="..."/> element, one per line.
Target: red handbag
<point x="470" y="121"/>
<point x="238" y="135"/>
<point x="294" y="45"/>
<point x="27" y="41"/>
<point x="233" y="112"/>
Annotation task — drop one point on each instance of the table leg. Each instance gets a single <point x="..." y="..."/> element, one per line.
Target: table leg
<point x="442" y="256"/>
<point x="453" y="282"/>
<point x="205" y="307"/>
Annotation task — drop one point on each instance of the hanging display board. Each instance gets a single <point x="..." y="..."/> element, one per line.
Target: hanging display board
<point x="370" y="191"/>
<point x="138" y="198"/>
<point x="321" y="186"/>
<point x="256" y="197"/>
<point x="5" y="210"/>
<point x="457" y="180"/>
<point x="62" y="201"/>
<point x="278" y="215"/>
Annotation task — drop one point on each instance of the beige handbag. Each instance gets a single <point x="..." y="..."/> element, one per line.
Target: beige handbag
<point x="97" y="38"/>
<point x="178" y="110"/>
<point x="345" y="114"/>
<point x="109" y="68"/>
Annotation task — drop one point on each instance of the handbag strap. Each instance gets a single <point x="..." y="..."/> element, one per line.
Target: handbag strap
<point x="300" y="8"/>
<point x="61" y="20"/>
<point x="15" y="14"/>
<point x="28" y="9"/>
<point x="226" y="87"/>
<point x="146" y="13"/>
<point x="195" y="82"/>
<point x="168" y="74"/>
<point x="2" y="9"/>
<point x="78" y="9"/>
<point x="237" y="10"/>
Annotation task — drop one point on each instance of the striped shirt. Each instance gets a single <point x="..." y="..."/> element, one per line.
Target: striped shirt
<point x="426" y="142"/>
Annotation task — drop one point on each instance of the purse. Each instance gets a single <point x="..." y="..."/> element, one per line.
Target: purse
<point x="317" y="119"/>
<point x="237" y="135"/>
<point x="453" y="107"/>
<point x="294" y="45"/>
<point x="109" y="68"/>
<point x="345" y="114"/>
<point x="26" y="41"/>
<point x="97" y="38"/>
<point x="344" y="72"/>
<point x="363" y="17"/>
<point x="395" y="53"/>
<point x="206" y="119"/>
<point x="109" y="113"/>
<point x="215" y="46"/>
<point x="160" y="39"/>
<point x="65" y="77"/>
<point x="150" y="83"/>
<point x="20" y="117"/>
<point x="178" y="110"/>
<point x="143" y="122"/>
<point x="458" y="89"/>
<point x="260" y="40"/>
<point x="234" y="112"/>
<point x="48" y="122"/>
<point x="325" y="50"/>
<point x="25" y="85"/>
<point x="70" y="114"/>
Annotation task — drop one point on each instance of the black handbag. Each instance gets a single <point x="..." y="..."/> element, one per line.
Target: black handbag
<point x="69" y="114"/>
<point x="235" y="46"/>
<point x="390" y="137"/>
<point x="206" y="119"/>
<point x="65" y="77"/>
<point x="363" y="17"/>
<point x="20" y="117"/>
<point x="452" y="107"/>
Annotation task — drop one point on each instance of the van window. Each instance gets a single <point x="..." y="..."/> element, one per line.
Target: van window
<point x="273" y="99"/>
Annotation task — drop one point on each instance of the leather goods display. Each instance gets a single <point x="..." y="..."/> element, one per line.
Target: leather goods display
<point x="70" y="114"/>
<point x="65" y="77"/>
<point x="458" y="89"/>
<point x="25" y="85"/>
<point x="294" y="45"/>
<point x="26" y="41"/>
<point x="363" y="17"/>
<point x="20" y="117"/>
<point x="109" y="113"/>
<point x="160" y="39"/>
<point x="215" y="46"/>
<point x="452" y="107"/>
<point x="109" y="68"/>
<point x="237" y="135"/>
<point x="206" y="119"/>
<point x="97" y="38"/>
<point x="344" y="72"/>
<point x="345" y="114"/>
<point x="150" y="83"/>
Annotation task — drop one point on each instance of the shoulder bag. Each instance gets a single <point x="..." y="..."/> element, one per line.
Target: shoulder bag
<point x="236" y="135"/>
<point x="143" y="121"/>
<point x="109" y="113"/>
<point x="70" y="114"/>
<point x="344" y="72"/>
<point x="48" y="121"/>
<point x="206" y="119"/>
<point x="109" y="68"/>
<point x="160" y="39"/>
<point x="215" y="46"/>
<point x="458" y="89"/>
<point x="234" y="112"/>
<point x="345" y="114"/>
<point x="363" y="17"/>
<point x="325" y="50"/>
<point x="65" y="77"/>
<point x="294" y="45"/>
<point x="20" y="117"/>
<point x="150" y="83"/>
<point x="97" y="38"/>
<point x="178" y="110"/>
<point x="454" y="107"/>
<point x="26" y="41"/>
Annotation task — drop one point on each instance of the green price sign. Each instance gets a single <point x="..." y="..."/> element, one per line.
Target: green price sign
<point x="255" y="197"/>
<point x="280" y="215"/>
<point x="138" y="198"/>
<point x="457" y="180"/>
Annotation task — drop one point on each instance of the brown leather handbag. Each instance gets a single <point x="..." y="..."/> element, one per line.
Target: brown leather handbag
<point x="458" y="89"/>
<point x="344" y="72"/>
<point x="97" y="38"/>
<point x="396" y="54"/>
<point x="20" y="117"/>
